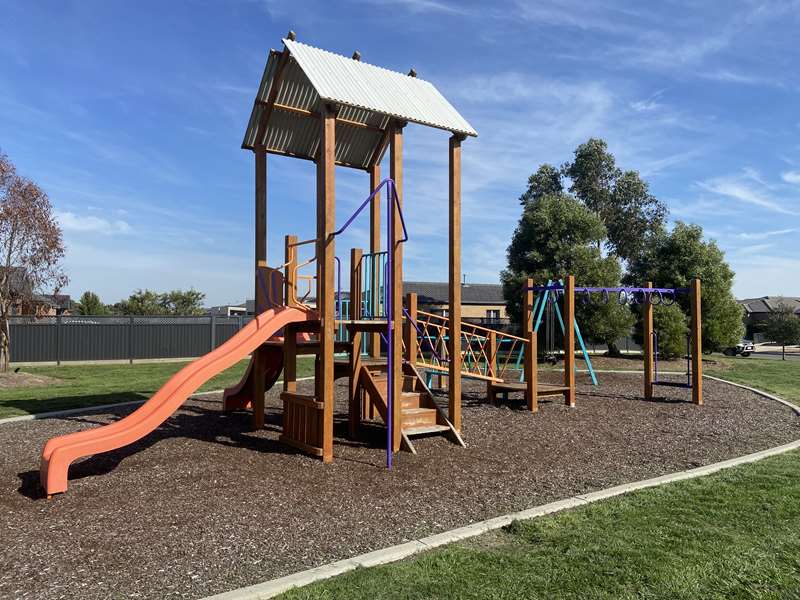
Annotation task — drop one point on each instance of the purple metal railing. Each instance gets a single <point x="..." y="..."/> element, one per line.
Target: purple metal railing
<point x="392" y="200"/>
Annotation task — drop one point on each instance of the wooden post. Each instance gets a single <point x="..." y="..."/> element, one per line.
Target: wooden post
<point x="412" y="343"/>
<point x="695" y="298"/>
<point x="374" y="343"/>
<point x="326" y="223"/>
<point x="491" y="360"/>
<point x="354" y="411"/>
<point x="261" y="227"/>
<point x="290" y="270"/>
<point x="289" y="333"/>
<point x="529" y="363"/>
<point x="527" y="308"/>
<point x="454" y="280"/>
<point x="289" y="359"/>
<point x="261" y="300"/>
<point x="569" y="340"/>
<point x="532" y="372"/>
<point x="649" y="353"/>
<point x="396" y="173"/>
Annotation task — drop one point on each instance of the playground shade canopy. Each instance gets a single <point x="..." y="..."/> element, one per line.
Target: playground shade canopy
<point x="368" y="98"/>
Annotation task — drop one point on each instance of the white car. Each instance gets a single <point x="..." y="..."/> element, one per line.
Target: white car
<point x="745" y="348"/>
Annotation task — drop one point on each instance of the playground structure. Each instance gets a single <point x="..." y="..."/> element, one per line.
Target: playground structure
<point x="647" y="297"/>
<point x="334" y="111"/>
<point x="337" y="111"/>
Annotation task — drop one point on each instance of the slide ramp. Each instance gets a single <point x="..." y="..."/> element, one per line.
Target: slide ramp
<point x="60" y="452"/>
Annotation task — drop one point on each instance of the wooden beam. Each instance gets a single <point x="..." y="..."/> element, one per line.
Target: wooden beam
<point x="529" y="363"/>
<point x="569" y="340"/>
<point x="290" y="359"/>
<point x="527" y="307"/>
<point x="326" y="223"/>
<point x="259" y="357"/>
<point x="695" y="299"/>
<point x="412" y="342"/>
<point x="313" y="159"/>
<point x="310" y="114"/>
<point x="266" y="112"/>
<point x="649" y="354"/>
<point x="260" y="227"/>
<point x="380" y="150"/>
<point x="454" y="278"/>
<point x="491" y="359"/>
<point x="532" y="372"/>
<point x="290" y="270"/>
<point x="354" y="412"/>
<point x="290" y="332"/>
<point x="374" y="344"/>
<point x="396" y="173"/>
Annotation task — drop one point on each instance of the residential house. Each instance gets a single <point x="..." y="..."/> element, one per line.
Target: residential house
<point x="757" y="310"/>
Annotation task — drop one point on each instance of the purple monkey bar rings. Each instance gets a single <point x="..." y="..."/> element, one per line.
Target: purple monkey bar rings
<point x="624" y="295"/>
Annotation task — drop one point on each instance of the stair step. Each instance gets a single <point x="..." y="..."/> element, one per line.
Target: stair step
<point x="423" y="429"/>
<point x="410" y="400"/>
<point x="413" y="417"/>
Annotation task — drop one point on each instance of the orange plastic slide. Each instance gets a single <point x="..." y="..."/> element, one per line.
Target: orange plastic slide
<point x="60" y="452"/>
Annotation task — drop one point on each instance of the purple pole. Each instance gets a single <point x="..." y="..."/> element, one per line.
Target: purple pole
<point x="655" y="355"/>
<point x="389" y="284"/>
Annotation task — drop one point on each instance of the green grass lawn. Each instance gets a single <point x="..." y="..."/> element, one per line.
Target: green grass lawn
<point x="735" y="535"/>
<point x="90" y="385"/>
<point x="780" y="377"/>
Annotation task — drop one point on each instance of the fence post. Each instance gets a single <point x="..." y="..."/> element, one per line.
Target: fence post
<point x="213" y="332"/>
<point x="130" y="340"/>
<point x="241" y="323"/>
<point x="58" y="340"/>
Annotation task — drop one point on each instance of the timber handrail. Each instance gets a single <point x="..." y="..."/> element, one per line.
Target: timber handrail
<point x="472" y="326"/>
<point x="482" y="346"/>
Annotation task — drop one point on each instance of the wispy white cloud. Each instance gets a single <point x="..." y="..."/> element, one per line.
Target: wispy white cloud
<point x="792" y="177"/>
<point x="763" y="235"/>
<point x="575" y="14"/>
<point x="420" y="6"/>
<point x="70" y="221"/>
<point x="740" y="188"/>
<point x="729" y="76"/>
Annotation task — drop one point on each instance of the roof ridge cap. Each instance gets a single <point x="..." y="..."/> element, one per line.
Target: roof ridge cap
<point x="361" y="62"/>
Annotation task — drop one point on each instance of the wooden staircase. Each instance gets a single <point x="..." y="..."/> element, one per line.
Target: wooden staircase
<point x="419" y="413"/>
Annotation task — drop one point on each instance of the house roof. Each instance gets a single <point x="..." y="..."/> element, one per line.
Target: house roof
<point x="767" y="304"/>
<point x="63" y="301"/>
<point x="306" y="78"/>
<point x="19" y="284"/>
<point x="437" y="292"/>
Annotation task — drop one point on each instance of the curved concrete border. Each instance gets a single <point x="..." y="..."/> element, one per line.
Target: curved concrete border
<point x="274" y="587"/>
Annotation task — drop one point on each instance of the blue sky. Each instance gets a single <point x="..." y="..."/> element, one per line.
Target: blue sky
<point x="131" y="116"/>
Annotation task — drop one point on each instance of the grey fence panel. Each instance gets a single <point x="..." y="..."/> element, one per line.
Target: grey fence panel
<point x="171" y="337"/>
<point x="33" y="340"/>
<point x="94" y="338"/>
<point x="226" y="327"/>
<point x="55" y="339"/>
<point x="52" y="339"/>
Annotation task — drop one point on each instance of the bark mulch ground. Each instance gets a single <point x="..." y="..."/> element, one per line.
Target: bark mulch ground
<point x="203" y="505"/>
<point x="12" y="380"/>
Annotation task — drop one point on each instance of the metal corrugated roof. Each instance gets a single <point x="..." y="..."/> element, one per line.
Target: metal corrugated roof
<point x="343" y="80"/>
<point x="365" y="94"/>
